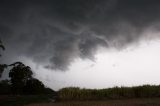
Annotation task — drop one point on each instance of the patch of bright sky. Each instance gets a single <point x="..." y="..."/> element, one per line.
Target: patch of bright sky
<point x="128" y="67"/>
<point x="135" y="65"/>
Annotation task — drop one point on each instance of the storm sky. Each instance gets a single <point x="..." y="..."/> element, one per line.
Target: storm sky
<point x="61" y="37"/>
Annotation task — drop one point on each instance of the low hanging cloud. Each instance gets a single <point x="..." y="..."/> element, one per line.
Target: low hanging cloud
<point x="56" y="32"/>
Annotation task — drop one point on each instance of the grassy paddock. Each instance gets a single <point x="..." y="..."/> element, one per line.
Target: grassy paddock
<point x="125" y="102"/>
<point x="74" y="96"/>
<point x="21" y="100"/>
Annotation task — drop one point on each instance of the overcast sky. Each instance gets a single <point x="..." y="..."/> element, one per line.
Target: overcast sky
<point x="85" y="43"/>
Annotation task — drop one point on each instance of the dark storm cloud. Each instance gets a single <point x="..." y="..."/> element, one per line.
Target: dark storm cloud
<point x="56" y="32"/>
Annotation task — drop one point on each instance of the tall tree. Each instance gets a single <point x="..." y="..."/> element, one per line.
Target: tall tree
<point x="19" y="75"/>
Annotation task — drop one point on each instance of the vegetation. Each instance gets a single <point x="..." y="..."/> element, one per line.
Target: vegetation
<point x="21" y="82"/>
<point x="125" y="102"/>
<point x="5" y="87"/>
<point x="23" y="100"/>
<point x="75" y="93"/>
<point x="19" y="74"/>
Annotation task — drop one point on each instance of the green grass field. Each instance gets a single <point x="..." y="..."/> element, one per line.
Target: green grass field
<point x="22" y="100"/>
<point x="126" y="102"/>
<point x="43" y="100"/>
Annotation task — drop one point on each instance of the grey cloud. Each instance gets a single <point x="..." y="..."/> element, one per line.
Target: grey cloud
<point x="56" y="32"/>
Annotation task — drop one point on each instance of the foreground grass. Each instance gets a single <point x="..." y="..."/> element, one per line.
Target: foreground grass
<point x="124" y="102"/>
<point x="43" y="100"/>
<point x="23" y="100"/>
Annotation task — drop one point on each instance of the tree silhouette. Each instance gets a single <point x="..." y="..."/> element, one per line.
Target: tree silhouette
<point x="19" y="75"/>
<point x="34" y="86"/>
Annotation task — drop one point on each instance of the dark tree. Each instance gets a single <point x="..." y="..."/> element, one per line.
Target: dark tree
<point x="19" y="75"/>
<point x="34" y="86"/>
<point x="5" y="87"/>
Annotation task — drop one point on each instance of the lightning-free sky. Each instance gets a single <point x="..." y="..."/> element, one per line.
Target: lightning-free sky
<point x="85" y="43"/>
